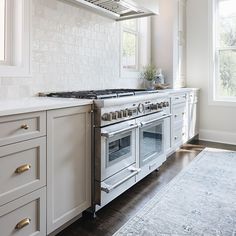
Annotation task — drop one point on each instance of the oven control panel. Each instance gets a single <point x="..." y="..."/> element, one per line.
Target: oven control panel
<point x="130" y="111"/>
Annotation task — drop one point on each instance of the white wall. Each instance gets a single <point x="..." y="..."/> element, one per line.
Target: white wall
<point x="217" y="123"/>
<point x="72" y="49"/>
<point x="162" y="38"/>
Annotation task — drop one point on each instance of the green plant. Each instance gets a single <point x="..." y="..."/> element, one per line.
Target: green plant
<point x="149" y="73"/>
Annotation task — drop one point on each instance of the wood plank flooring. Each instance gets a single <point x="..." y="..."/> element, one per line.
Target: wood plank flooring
<point x="110" y="218"/>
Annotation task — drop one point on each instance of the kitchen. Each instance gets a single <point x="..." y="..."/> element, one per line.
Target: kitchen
<point x="69" y="157"/>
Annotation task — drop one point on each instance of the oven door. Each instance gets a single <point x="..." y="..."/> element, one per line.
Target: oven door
<point x="118" y="148"/>
<point x="152" y="139"/>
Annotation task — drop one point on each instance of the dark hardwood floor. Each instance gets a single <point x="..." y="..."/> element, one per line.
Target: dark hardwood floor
<point x="110" y="218"/>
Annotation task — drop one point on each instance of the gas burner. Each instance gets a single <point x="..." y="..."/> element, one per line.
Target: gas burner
<point x="100" y="94"/>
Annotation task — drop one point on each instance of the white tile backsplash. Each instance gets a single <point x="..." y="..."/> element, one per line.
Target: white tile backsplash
<point x="72" y="49"/>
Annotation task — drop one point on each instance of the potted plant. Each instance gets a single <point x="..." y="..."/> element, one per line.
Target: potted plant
<point x="149" y="74"/>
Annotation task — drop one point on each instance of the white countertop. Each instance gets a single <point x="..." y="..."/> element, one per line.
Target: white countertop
<point x="179" y="90"/>
<point x="33" y="104"/>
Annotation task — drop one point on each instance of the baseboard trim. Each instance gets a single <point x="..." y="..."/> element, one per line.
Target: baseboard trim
<point x="217" y="136"/>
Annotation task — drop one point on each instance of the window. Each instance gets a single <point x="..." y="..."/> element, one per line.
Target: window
<point x="135" y="44"/>
<point x="130" y="45"/>
<point x="2" y="30"/>
<point x="225" y="50"/>
<point x="14" y="38"/>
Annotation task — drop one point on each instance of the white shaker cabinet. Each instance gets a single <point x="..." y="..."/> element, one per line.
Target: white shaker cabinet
<point x="23" y="174"/>
<point x="68" y="164"/>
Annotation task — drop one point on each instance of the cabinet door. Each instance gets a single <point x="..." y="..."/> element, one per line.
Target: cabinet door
<point x="68" y="164"/>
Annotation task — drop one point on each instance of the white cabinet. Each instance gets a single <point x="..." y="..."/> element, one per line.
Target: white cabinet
<point x="23" y="175"/>
<point x="179" y="119"/>
<point x="184" y="120"/>
<point x="68" y="164"/>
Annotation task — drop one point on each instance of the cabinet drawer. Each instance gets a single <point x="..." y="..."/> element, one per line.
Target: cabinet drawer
<point x="22" y="168"/>
<point x="179" y="98"/>
<point x="179" y="113"/>
<point x="22" y="127"/>
<point x="178" y="135"/>
<point x="25" y="216"/>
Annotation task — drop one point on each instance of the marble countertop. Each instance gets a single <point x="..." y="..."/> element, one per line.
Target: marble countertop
<point x="33" y="104"/>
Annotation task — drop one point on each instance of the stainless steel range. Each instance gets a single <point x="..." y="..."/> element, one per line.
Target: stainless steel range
<point x="131" y="135"/>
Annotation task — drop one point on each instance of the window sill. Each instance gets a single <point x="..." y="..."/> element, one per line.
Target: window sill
<point x="129" y="74"/>
<point x="223" y="103"/>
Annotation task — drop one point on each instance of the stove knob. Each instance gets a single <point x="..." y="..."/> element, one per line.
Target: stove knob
<point x="130" y="112"/>
<point x="110" y="116"/>
<point x="106" y="117"/>
<point x="167" y="104"/>
<point x="114" y="115"/>
<point x="121" y="114"/>
<point x="160" y="105"/>
<point x="126" y="113"/>
<point x="154" y="106"/>
<point x="117" y="114"/>
<point x="164" y="104"/>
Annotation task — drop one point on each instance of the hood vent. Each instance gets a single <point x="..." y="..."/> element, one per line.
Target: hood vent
<point x="121" y="9"/>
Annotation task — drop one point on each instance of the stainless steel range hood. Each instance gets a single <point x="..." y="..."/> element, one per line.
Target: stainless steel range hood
<point x="120" y="9"/>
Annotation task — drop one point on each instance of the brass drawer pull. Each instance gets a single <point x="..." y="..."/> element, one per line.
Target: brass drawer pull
<point x="22" y="169"/>
<point x="24" y="126"/>
<point x="23" y="223"/>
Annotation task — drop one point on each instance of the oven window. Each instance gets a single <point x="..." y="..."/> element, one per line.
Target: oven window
<point x="119" y="148"/>
<point x="151" y="143"/>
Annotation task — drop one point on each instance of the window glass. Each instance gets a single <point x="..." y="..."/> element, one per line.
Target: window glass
<point x="2" y="30"/>
<point x="129" y="53"/>
<point x="226" y="50"/>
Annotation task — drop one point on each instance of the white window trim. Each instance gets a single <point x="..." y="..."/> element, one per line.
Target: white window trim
<point x="18" y="63"/>
<point x="144" y="48"/>
<point x="213" y="62"/>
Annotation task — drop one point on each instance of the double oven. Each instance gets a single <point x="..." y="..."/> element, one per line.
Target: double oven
<point x="127" y="151"/>
<point x="131" y="136"/>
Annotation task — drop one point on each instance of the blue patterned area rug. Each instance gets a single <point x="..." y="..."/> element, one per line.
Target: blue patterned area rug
<point x="201" y="200"/>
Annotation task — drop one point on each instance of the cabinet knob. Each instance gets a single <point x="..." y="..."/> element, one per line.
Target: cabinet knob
<point x="23" y="223"/>
<point x="25" y="126"/>
<point x="22" y="169"/>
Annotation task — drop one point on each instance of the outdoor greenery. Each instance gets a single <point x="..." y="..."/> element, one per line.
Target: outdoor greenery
<point x="227" y="51"/>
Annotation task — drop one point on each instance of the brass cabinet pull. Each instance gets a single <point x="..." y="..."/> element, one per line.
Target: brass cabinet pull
<point x="22" y="169"/>
<point x="23" y="223"/>
<point x="24" y="126"/>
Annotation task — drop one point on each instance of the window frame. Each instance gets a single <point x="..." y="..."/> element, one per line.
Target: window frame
<point x="214" y="52"/>
<point x="17" y="61"/>
<point x="125" y="72"/>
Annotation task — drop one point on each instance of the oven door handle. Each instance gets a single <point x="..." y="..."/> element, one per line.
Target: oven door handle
<point x="143" y="123"/>
<point x="108" y="188"/>
<point x="111" y="134"/>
